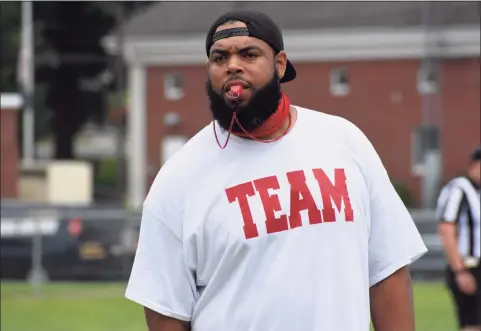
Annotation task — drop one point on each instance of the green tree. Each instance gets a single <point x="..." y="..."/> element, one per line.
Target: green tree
<point x="68" y="54"/>
<point x="10" y="20"/>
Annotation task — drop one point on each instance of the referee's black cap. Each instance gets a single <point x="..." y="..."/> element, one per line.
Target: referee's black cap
<point x="476" y="154"/>
<point x="259" y="25"/>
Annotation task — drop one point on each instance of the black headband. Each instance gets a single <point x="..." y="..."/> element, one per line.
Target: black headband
<point x="230" y="33"/>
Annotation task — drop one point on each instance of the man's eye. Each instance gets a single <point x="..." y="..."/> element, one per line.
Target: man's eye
<point x="250" y="55"/>
<point x="219" y="58"/>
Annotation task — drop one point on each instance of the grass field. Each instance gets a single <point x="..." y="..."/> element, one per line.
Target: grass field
<point x="101" y="307"/>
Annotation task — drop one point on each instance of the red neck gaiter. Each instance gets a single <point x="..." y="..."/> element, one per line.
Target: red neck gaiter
<point x="272" y="125"/>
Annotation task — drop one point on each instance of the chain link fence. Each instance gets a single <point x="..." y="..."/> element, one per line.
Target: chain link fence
<point x="42" y="242"/>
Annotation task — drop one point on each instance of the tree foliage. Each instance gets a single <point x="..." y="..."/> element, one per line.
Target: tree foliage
<point x="69" y="61"/>
<point x="10" y="29"/>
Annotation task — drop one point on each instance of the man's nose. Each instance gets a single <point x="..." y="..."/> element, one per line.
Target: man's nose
<point x="234" y="66"/>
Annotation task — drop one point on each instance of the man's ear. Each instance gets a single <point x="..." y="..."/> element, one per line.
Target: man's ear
<point x="281" y="63"/>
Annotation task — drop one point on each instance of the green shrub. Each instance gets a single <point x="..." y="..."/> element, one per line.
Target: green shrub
<point x="106" y="173"/>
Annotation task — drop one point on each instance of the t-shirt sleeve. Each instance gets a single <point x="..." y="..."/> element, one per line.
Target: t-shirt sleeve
<point x="394" y="240"/>
<point x="160" y="279"/>
<point x="450" y="208"/>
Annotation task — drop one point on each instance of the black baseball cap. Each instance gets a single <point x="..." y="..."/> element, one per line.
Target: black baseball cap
<point x="476" y="154"/>
<point x="259" y="25"/>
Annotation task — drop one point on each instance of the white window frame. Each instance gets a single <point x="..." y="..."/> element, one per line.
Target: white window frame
<point x="173" y="86"/>
<point x="339" y="82"/>
<point x="427" y="80"/>
<point x="419" y="148"/>
<point x="170" y="145"/>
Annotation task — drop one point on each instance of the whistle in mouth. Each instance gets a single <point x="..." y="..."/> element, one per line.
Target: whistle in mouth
<point x="236" y="91"/>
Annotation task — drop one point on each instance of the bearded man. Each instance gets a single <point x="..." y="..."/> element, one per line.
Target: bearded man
<point x="273" y="217"/>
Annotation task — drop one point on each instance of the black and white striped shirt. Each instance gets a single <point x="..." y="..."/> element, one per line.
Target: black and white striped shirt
<point x="459" y="203"/>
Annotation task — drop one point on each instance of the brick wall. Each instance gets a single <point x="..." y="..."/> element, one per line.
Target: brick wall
<point x="384" y="102"/>
<point x="9" y="153"/>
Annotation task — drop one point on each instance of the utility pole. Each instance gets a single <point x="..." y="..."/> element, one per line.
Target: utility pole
<point x="27" y="81"/>
<point x="119" y="72"/>
<point x="36" y="275"/>
<point x="431" y="112"/>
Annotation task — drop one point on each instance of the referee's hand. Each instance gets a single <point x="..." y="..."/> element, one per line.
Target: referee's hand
<point x="466" y="282"/>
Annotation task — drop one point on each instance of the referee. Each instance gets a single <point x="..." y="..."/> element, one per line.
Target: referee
<point x="458" y="211"/>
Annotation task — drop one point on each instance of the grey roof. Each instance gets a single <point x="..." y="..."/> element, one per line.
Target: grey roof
<point x="196" y="17"/>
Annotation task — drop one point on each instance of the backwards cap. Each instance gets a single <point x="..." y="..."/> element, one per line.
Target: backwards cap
<point x="259" y="26"/>
<point x="476" y="154"/>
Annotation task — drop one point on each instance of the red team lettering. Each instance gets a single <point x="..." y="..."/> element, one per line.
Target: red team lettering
<point x="271" y="204"/>
<point x="337" y="192"/>
<point x="240" y="193"/>
<point x="300" y="199"/>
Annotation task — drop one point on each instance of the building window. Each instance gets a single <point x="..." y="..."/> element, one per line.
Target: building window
<point x="427" y="79"/>
<point x="339" y="85"/>
<point x="425" y="139"/>
<point x="173" y="86"/>
<point x="170" y="145"/>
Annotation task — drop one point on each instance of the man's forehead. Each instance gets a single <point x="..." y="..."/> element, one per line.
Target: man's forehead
<point x="236" y="42"/>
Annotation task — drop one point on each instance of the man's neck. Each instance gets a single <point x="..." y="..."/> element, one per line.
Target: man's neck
<point x="473" y="182"/>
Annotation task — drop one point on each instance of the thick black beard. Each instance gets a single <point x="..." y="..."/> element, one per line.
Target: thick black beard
<point x="263" y="104"/>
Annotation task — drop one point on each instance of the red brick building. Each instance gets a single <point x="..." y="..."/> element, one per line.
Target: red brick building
<point x="371" y="63"/>
<point x="9" y="147"/>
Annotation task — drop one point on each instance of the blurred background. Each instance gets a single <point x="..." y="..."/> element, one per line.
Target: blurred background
<point x="96" y="96"/>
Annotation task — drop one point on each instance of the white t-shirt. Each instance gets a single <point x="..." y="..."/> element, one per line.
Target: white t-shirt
<point x="335" y="226"/>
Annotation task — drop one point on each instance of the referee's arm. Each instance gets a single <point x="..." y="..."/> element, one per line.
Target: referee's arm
<point x="448" y="228"/>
